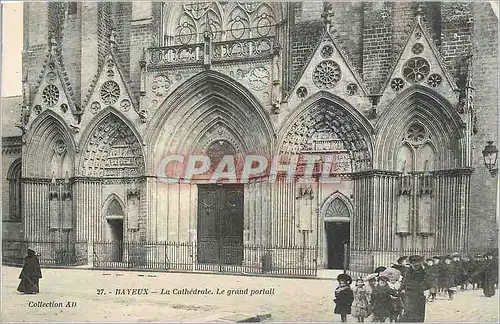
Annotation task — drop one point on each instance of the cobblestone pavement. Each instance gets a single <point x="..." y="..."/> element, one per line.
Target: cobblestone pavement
<point x="95" y="294"/>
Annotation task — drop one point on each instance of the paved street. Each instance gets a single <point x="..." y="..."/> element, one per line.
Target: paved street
<point x="95" y="294"/>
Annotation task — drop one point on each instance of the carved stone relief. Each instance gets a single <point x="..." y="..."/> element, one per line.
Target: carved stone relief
<point x="161" y="85"/>
<point x="113" y="151"/>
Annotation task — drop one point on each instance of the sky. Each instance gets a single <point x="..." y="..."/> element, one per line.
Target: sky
<point x="12" y="45"/>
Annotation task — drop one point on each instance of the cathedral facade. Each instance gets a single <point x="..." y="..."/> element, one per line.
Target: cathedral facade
<point x="396" y="99"/>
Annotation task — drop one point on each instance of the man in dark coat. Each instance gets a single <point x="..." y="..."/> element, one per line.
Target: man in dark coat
<point x="458" y="268"/>
<point x="414" y="284"/>
<point x="448" y="277"/>
<point x="476" y="267"/>
<point x="431" y="272"/>
<point x="30" y="275"/>
<point x="489" y="273"/>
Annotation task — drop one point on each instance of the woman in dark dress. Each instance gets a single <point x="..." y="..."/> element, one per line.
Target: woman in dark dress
<point x="489" y="275"/>
<point x="413" y="286"/>
<point x="343" y="296"/>
<point x="30" y="275"/>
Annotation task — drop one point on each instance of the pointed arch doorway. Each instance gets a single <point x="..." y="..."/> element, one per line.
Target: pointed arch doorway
<point x="336" y="213"/>
<point x="114" y="217"/>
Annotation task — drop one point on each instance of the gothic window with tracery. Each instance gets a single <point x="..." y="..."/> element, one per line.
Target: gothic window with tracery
<point x="337" y="208"/>
<point x="217" y="150"/>
<point x="416" y="134"/>
<point x="416" y="69"/>
<point x="327" y="74"/>
<point x="50" y="95"/>
<point x="110" y="92"/>
<point x="189" y="23"/>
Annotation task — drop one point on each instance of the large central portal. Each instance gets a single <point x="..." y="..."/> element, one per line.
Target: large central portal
<point x="220" y="224"/>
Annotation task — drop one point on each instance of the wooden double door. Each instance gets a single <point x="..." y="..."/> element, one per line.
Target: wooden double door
<point x="220" y="224"/>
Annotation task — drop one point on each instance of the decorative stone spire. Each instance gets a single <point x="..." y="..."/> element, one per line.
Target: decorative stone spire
<point x="420" y="13"/>
<point x="52" y="42"/>
<point x="327" y="15"/>
<point x="468" y="81"/>
<point x="112" y="38"/>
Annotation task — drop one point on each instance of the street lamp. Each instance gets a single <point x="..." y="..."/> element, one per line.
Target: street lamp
<point x="490" y="154"/>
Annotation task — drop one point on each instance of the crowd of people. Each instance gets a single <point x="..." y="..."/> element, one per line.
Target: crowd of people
<point x="398" y="293"/>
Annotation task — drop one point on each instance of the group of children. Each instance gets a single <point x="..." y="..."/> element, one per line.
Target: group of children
<point x="381" y="295"/>
<point x="377" y="295"/>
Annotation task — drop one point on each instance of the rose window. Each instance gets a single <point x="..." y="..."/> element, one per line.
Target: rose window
<point x="50" y="95"/>
<point x="327" y="51"/>
<point x="302" y="92"/>
<point x="418" y="48"/>
<point x="434" y="80"/>
<point x="416" y="69"/>
<point x="397" y="84"/>
<point x="327" y="74"/>
<point x="415" y="133"/>
<point x="110" y="92"/>
<point x="95" y="106"/>
<point x="125" y="104"/>
<point x="111" y="63"/>
<point x="352" y="88"/>
<point x="59" y="146"/>
<point x="51" y="77"/>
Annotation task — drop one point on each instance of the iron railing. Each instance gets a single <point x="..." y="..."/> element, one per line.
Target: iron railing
<point x="294" y="261"/>
<point x="52" y="253"/>
<point x="363" y="262"/>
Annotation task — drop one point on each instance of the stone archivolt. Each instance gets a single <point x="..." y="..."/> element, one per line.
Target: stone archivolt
<point x="327" y="126"/>
<point x="50" y="149"/>
<point x="194" y="113"/>
<point x="112" y="150"/>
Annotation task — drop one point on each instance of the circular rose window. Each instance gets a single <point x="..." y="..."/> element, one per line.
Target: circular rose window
<point x="416" y="133"/>
<point x="327" y="74"/>
<point x="416" y="69"/>
<point x="110" y="92"/>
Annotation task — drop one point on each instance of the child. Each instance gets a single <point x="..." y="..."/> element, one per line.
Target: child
<point x="381" y="301"/>
<point x="360" y="306"/>
<point x="396" y="299"/>
<point x="343" y="296"/>
<point x="432" y="274"/>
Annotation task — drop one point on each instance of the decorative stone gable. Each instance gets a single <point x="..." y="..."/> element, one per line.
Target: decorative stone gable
<point x="329" y="69"/>
<point x="53" y="92"/>
<point x="419" y="63"/>
<point x="110" y="91"/>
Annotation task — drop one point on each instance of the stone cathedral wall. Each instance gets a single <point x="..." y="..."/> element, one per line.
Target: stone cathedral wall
<point x="368" y="39"/>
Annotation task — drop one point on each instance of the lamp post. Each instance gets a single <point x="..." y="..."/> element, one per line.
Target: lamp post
<point x="490" y="155"/>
